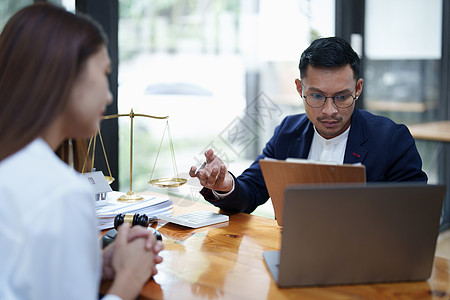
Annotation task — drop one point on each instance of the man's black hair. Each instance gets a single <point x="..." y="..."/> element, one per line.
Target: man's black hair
<point x="329" y="52"/>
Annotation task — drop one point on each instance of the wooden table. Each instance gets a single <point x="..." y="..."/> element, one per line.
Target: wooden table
<point x="224" y="261"/>
<point x="434" y="131"/>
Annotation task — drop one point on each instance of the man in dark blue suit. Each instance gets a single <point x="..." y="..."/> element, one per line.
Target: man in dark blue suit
<point x="331" y="130"/>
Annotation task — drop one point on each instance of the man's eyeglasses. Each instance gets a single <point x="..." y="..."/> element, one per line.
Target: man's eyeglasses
<point x="317" y="100"/>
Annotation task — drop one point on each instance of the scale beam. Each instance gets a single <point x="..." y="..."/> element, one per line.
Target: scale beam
<point x="131" y="196"/>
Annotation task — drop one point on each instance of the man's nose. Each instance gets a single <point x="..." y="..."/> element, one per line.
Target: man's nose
<point x="329" y="107"/>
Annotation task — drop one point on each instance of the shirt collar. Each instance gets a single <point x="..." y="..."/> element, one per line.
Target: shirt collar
<point x="336" y="140"/>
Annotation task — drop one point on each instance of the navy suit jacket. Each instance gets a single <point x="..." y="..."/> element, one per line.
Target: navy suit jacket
<point x="386" y="149"/>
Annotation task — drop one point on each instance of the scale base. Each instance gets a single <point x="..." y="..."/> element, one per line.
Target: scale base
<point x="130" y="197"/>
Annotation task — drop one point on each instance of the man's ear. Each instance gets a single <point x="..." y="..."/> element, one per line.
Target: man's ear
<point x="298" y="85"/>
<point x="359" y="86"/>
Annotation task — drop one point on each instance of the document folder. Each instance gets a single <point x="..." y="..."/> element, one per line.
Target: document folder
<point x="278" y="174"/>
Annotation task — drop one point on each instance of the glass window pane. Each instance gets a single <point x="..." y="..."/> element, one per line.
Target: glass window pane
<point x="393" y="39"/>
<point x="67" y="4"/>
<point x="9" y="7"/>
<point x="402" y="65"/>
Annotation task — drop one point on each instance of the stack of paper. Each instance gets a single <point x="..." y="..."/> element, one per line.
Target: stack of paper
<point x="151" y="206"/>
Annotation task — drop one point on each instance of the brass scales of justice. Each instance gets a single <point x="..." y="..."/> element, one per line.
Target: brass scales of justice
<point x="166" y="182"/>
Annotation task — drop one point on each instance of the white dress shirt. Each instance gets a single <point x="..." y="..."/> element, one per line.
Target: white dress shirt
<point x="328" y="150"/>
<point x="48" y="236"/>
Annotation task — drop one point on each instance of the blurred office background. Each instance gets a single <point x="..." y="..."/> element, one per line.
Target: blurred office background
<point x="223" y="71"/>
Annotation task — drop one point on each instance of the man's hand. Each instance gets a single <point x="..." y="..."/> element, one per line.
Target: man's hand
<point x="214" y="175"/>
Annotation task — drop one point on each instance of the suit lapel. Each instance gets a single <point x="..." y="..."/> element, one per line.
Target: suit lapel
<point x="299" y="147"/>
<point x="355" y="151"/>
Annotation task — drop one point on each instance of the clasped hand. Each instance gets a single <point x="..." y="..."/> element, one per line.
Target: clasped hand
<point x="135" y="248"/>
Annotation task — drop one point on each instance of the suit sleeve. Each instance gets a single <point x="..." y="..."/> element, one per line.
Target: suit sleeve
<point x="404" y="162"/>
<point x="250" y="188"/>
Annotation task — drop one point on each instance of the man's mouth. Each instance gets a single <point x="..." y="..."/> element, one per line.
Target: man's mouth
<point x="329" y="123"/>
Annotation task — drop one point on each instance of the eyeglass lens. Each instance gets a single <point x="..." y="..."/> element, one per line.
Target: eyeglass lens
<point x="319" y="100"/>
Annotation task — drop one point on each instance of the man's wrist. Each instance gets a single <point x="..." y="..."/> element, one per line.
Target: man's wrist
<point x="222" y="194"/>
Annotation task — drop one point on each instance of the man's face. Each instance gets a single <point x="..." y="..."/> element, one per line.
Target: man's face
<point x="329" y="120"/>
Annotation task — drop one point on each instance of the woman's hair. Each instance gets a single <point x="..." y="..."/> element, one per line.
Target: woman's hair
<point x="74" y="153"/>
<point x="42" y="50"/>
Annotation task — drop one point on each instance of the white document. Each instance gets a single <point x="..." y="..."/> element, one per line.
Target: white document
<point x="151" y="206"/>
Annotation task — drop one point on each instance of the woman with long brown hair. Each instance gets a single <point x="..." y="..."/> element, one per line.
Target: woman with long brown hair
<point x="53" y="86"/>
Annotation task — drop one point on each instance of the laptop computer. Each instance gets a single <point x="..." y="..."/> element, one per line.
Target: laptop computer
<point x="280" y="173"/>
<point x="348" y="234"/>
